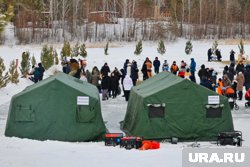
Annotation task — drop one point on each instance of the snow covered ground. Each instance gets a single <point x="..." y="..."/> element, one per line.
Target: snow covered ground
<point x="15" y="152"/>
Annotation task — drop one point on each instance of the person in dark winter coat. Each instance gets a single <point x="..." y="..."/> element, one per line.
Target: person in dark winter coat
<point x="218" y="54"/>
<point x="134" y="72"/>
<point x="144" y="71"/>
<point x="225" y="70"/>
<point x="206" y="83"/>
<point x="232" y="57"/>
<point x="192" y="78"/>
<point x="240" y="67"/>
<point x="78" y="73"/>
<point x="125" y="66"/>
<point x="122" y="77"/>
<point x="213" y="78"/>
<point x="234" y="87"/>
<point x="209" y="54"/>
<point x="156" y="64"/>
<point x="114" y="83"/>
<point x="105" y="69"/>
<point x="37" y="75"/>
<point x="105" y="84"/>
<point x="117" y="73"/>
<point x="88" y="76"/>
<point x="231" y="72"/>
<point x="202" y="72"/>
<point x="66" y="68"/>
<point x="41" y="71"/>
<point x="247" y="77"/>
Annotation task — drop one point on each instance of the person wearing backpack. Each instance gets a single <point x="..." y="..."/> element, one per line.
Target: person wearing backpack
<point x="174" y="68"/>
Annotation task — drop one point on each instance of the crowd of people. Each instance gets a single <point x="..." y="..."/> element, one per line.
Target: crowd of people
<point x="235" y="76"/>
<point x="108" y="82"/>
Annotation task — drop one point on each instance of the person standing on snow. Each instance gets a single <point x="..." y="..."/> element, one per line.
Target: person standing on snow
<point x="105" y="84"/>
<point x="156" y="64"/>
<point x="240" y="83"/>
<point x="127" y="84"/>
<point x="165" y="66"/>
<point x="232" y="57"/>
<point x="193" y="67"/>
<point x="209" y="54"/>
<point x="114" y="83"/>
<point x="125" y="66"/>
<point x="174" y="68"/>
<point x="134" y="72"/>
<point x="149" y="67"/>
<point x="105" y="70"/>
<point x="247" y="77"/>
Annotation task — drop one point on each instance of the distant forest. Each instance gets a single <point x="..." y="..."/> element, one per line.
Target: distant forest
<point x="37" y="21"/>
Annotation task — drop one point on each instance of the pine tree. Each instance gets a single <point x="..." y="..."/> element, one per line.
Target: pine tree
<point x="25" y="63"/>
<point x="13" y="72"/>
<point x="6" y="14"/>
<point x="161" y="47"/>
<point x="33" y="60"/>
<point x="66" y="50"/>
<point x="106" y="48"/>
<point x="55" y="55"/>
<point x="75" y="50"/>
<point x="4" y="78"/>
<point x="215" y="46"/>
<point x="83" y="51"/>
<point x="189" y="47"/>
<point x="47" y="57"/>
<point x="241" y="47"/>
<point x="138" y="48"/>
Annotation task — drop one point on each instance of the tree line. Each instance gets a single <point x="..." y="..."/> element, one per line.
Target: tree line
<point x="60" y="20"/>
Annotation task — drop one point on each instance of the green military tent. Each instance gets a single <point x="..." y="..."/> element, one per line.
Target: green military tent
<point x="60" y="108"/>
<point x="167" y="106"/>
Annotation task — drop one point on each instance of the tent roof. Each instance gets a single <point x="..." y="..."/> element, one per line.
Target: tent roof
<point x="70" y="81"/>
<point x="157" y="83"/>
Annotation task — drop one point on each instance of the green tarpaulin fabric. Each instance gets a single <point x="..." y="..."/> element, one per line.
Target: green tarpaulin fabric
<point x="167" y="106"/>
<point x="49" y="110"/>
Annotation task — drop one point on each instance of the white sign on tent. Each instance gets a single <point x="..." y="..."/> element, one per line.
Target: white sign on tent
<point x="213" y="99"/>
<point x="82" y="100"/>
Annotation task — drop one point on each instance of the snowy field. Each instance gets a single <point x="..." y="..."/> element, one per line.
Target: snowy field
<point x="15" y="152"/>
